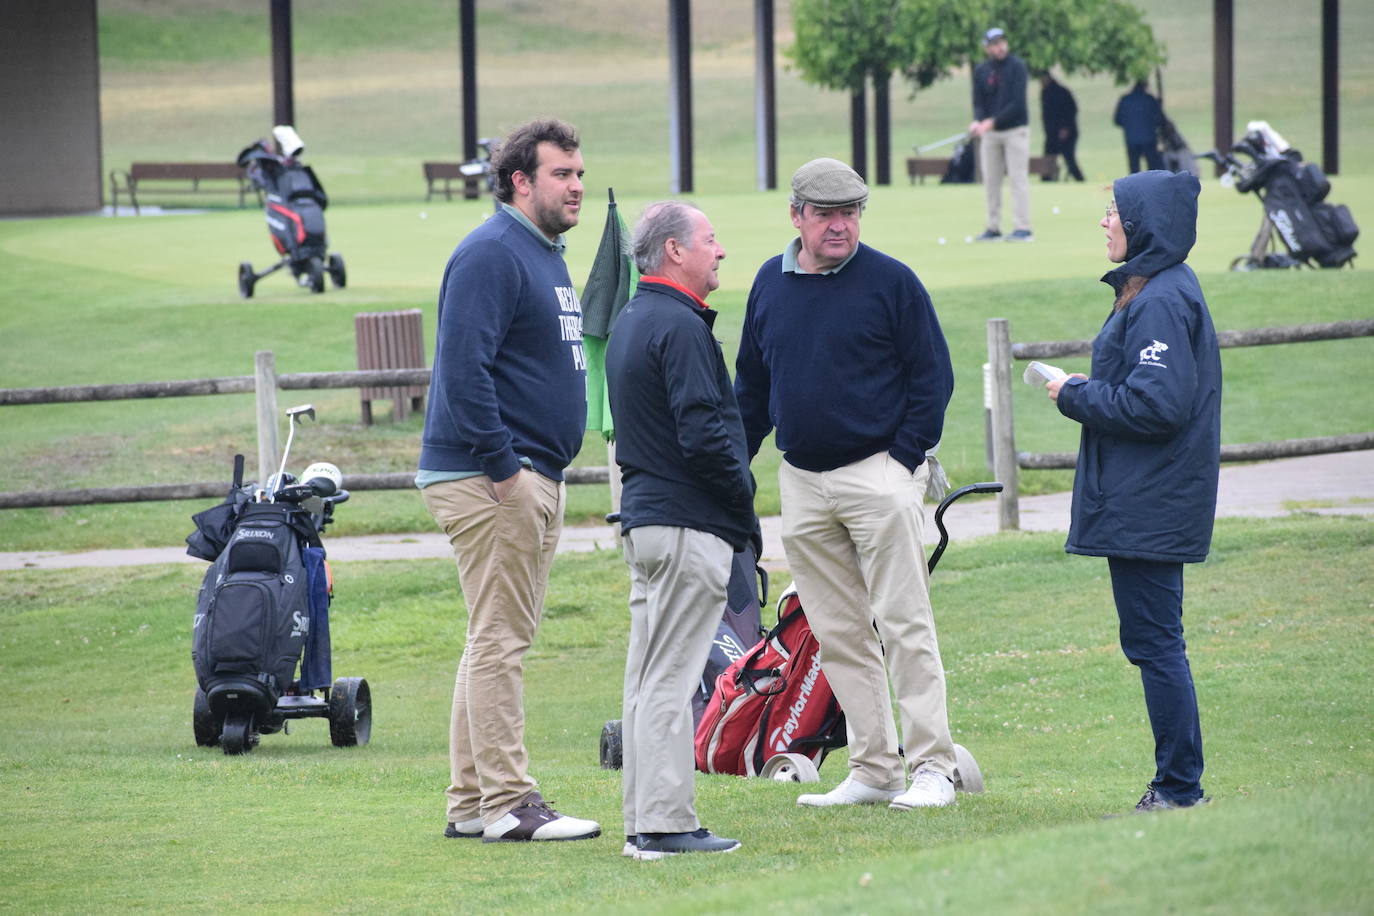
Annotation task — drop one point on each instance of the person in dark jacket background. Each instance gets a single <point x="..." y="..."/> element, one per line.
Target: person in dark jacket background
<point x="1139" y="115"/>
<point x="1059" y="116"/>
<point x="1145" y="490"/>
<point x="686" y="506"/>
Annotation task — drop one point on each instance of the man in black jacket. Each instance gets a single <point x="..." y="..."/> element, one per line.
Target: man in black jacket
<point x="1059" y="115"/>
<point x="1002" y="123"/>
<point x="686" y="507"/>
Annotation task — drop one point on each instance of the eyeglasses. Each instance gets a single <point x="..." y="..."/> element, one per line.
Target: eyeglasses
<point x="1111" y="209"/>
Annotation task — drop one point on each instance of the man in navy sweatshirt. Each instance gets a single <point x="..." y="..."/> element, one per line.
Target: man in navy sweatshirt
<point x="842" y="353"/>
<point x="507" y="407"/>
<point x="687" y="504"/>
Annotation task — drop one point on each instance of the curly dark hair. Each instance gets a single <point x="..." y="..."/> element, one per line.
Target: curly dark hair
<point x="519" y="152"/>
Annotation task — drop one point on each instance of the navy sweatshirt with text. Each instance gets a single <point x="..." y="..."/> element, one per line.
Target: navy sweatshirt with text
<point x="509" y="378"/>
<point x="844" y="365"/>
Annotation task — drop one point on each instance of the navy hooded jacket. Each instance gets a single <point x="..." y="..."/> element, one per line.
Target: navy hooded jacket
<point x="1146" y="483"/>
<point x="679" y="440"/>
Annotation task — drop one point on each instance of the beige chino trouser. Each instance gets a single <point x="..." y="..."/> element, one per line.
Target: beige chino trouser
<point x="853" y="540"/>
<point x="678" y="583"/>
<point x="504" y="552"/>
<point x="1006" y="152"/>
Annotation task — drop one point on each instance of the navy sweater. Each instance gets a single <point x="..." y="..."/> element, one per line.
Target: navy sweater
<point x="509" y="378"/>
<point x="679" y="440"/>
<point x="999" y="92"/>
<point x="844" y="365"/>
<point x="1146" y="484"/>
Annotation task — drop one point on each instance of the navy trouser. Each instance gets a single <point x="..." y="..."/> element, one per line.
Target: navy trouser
<point x="1149" y="603"/>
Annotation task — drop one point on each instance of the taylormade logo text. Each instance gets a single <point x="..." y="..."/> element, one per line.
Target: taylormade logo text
<point x="781" y="739"/>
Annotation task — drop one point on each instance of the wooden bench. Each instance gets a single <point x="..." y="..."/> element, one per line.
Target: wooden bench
<point x="1047" y="167"/>
<point x="391" y="340"/>
<point x="192" y="172"/>
<point x="448" y="172"/>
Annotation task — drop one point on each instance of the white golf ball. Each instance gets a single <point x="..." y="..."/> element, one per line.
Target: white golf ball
<point x="1055" y="211"/>
<point x="942" y="240"/>
<point x="968" y="239"/>
<point x="424" y="215"/>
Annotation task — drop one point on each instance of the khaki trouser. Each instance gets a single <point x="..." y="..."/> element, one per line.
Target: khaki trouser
<point x="853" y="541"/>
<point x="678" y="582"/>
<point x="504" y="551"/>
<point x="1006" y="152"/>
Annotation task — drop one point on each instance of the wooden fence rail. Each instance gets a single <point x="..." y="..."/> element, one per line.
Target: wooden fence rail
<point x="264" y="382"/>
<point x="1006" y="460"/>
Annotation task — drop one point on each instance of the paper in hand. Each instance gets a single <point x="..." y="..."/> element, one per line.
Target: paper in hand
<point x="1038" y="373"/>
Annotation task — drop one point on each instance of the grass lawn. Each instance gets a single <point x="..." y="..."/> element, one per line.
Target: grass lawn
<point x="106" y="791"/>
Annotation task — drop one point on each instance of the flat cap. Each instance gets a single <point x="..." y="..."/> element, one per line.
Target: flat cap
<point x="828" y="183"/>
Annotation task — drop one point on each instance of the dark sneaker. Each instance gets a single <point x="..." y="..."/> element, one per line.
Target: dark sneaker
<point x="533" y="819"/>
<point x="464" y="830"/>
<point x="654" y="846"/>
<point x="1153" y="801"/>
<point x="989" y="235"/>
<point x="1021" y="235"/>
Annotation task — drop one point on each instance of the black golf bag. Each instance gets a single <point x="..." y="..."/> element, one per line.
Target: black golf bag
<point x="962" y="168"/>
<point x="1293" y="192"/>
<point x="1178" y="157"/>
<point x="295" y="204"/>
<point x="263" y="607"/>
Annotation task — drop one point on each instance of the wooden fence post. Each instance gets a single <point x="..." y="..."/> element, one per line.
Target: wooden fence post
<point x="1003" y="433"/>
<point x="265" y="385"/>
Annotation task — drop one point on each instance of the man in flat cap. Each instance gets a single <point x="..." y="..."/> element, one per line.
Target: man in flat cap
<point x="1001" y="121"/>
<point x="842" y="354"/>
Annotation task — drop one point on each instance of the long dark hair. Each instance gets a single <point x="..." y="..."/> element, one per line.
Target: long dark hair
<point x="1129" y="290"/>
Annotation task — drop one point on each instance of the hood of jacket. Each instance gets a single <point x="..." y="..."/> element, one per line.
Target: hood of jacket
<point x="1158" y="212"/>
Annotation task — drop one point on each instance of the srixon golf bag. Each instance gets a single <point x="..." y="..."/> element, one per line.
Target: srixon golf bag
<point x="771" y="702"/>
<point x="253" y="613"/>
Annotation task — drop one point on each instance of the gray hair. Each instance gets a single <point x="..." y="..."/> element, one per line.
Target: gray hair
<point x="660" y="221"/>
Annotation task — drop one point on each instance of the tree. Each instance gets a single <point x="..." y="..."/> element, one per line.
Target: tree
<point x="842" y="44"/>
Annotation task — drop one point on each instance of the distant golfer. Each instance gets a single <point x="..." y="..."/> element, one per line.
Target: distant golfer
<point x="1145" y="492"/>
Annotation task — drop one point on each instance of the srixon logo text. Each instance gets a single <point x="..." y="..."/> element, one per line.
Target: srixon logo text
<point x="254" y="533"/>
<point x="781" y="739"/>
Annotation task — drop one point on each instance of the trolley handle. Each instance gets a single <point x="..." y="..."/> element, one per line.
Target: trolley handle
<point x="992" y="487"/>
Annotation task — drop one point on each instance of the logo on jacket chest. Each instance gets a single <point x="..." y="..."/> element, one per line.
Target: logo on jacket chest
<point x="1150" y="356"/>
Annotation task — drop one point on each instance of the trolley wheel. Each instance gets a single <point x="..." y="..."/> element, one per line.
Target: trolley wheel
<point x="790" y="768"/>
<point x="967" y="776"/>
<point x="238" y="737"/>
<point x="336" y="271"/>
<point x="203" y="721"/>
<point x="316" y="273"/>
<point x="1244" y="263"/>
<point x="612" y="746"/>
<point x="350" y="712"/>
<point x="247" y="280"/>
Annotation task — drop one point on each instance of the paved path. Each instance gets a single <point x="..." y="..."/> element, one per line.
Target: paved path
<point x="1340" y="484"/>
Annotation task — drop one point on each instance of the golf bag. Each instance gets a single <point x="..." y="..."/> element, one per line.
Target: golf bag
<point x="1293" y="193"/>
<point x="773" y="701"/>
<point x="962" y="168"/>
<point x="295" y="204"/>
<point x="254" y="613"/>
<point x="1178" y="157"/>
<point x="739" y="626"/>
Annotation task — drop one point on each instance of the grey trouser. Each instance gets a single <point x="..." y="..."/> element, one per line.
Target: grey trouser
<point x="1006" y="152"/>
<point x="678" y="580"/>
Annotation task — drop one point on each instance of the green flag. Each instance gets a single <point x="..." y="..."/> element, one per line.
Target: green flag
<point x="608" y="289"/>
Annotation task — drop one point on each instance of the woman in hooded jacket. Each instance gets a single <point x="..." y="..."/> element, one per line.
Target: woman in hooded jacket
<point x="1145" y="490"/>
